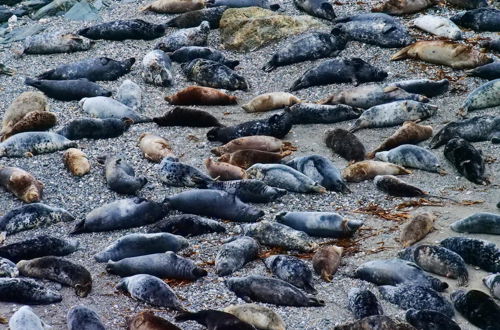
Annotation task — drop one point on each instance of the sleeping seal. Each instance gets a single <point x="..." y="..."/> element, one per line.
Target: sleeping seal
<point x="130" y="94"/>
<point x="22" y="184"/>
<point x="468" y="4"/>
<point x="76" y="161"/>
<point x="249" y="191"/>
<point x="94" y="128"/>
<point x="83" y="318"/>
<point x="187" y="225"/>
<point x="189" y="53"/>
<point x="490" y="71"/>
<point x="310" y="113"/>
<point x="213" y="74"/>
<point x="234" y="254"/>
<point x="346" y="144"/>
<point x="292" y="270"/>
<point x="52" y="43"/>
<point x="466" y="159"/>
<point x="492" y="282"/>
<point x="26" y="291"/>
<point x="157" y="69"/>
<point x="256" y="142"/>
<point x="477" y="307"/>
<point x="24" y="318"/>
<point x="485" y="96"/>
<point x="195" y="17"/>
<point x="147" y="320"/>
<point x="369" y="169"/>
<point x="68" y="90"/>
<point x="8" y="268"/>
<point x="22" y="105"/>
<point x="199" y="95"/>
<point x="318" y="8"/>
<point x="196" y="36"/>
<point x="173" y="6"/>
<point x="403" y="7"/>
<point x="259" y="316"/>
<point x="224" y="171"/>
<point x="417" y="228"/>
<point x="248" y="157"/>
<point x="242" y="3"/>
<point x="106" y="107"/>
<point x="184" y="116"/>
<point x="412" y="156"/>
<point x="31" y="122"/>
<point x="154" y="147"/>
<point x="270" y="101"/>
<point x="381" y="322"/>
<point x="177" y="174"/>
<point x="363" y="303"/>
<point x="39" y="246"/>
<point x="480" y="19"/>
<point x="326" y="261"/>
<point x="34" y="143"/>
<point x="214" y="319"/>
<point x="120" y="176"/>
<point x="438" y="26"/>
<point x="427" y="87"/>
<point x="476" y="252"/>
<point x="428" y="319"/>
<point x="135" y="29"/>
<point x="481" y="223"/>
<point x="393" y="186"/>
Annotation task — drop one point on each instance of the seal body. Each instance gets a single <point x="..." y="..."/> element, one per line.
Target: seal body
<point x="189" y="53"/>
<point x="183" y="116"/>
<point x="199" y="95"/>
<point x="187" y="225"/>
<point x="292" y="270"/>
<point x="224" y="171"/>
<point x="345" y="144"/>
<point x="39" y="246"/>
<point x="270" y="101"/>
<point x="52" y="43"/>
<point x="326" y="261"/>
<point x="34" y="143"/>
<point x="146" y="320"/>
<point x="25" y="318"/>
<point x="213" y="319"/>
<point x="480" y="19"/>
<point x="466" y="159"/>
<point x="120" y="176"/>
<point x="196" y="36"/>
<point x="82" y="317"/>
<point x="427" y="318"/>
<point x="106" y="107"/>
<point x="173" y="6"/>
<point x="156" y="68"/>
<point x="26" y="291"/>
<point x="492" y="282"/>
<point x="234" y="254"/>
<point x="214" y="74"/>
<point x="403" y="7"/>
<point x="76" y="162"/>
<point x="195" y="17"/>
<point x="427" y="87"/>
<point x="68" y="90"/>
<point x="248" y="157"/>
<point x="94" y="128"/>
<point x="482" y="223"/>
<point x="154" y="147"/>
<point x="411" y="156"/>
<point x="257" y="142"/>
<point x="310" y="113"/>
<point x="177" y="174"/>
<point x="485" y="96"/>
<point x="438" y="26"/>
<point x="259" y="316"/>
<point x="397" y="187"/>
<point x="318" y="8"/>
<point x="477" y="307"/>
<point x="467" y="4"/>
<point x="22" y="184"/>
<point x="249" y="191"/>
<point x="22" y="105"/>
<point x="369" y="169"/>
<point x="363" y="303"/>
<point x="417" y="228"/>
<point x="476" y="252"/>
<point x="124" y="29"/>
<point x="33" y="121"/>
<point x="130" y="94"/>
<point x="490" y="71"/>
<point x="376" y="321"/>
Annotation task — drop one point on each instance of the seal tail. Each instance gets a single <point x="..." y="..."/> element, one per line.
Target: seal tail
<point x="46" y="75"/>
<point x="146" y="8"/>
<point x="268" y="67"/>
<point x="186" y="316"/>
<point x="297" y="85"/>
<point x="79" y="228"/>
<point x="231" y="64"/>
<point x="401" y="54"/>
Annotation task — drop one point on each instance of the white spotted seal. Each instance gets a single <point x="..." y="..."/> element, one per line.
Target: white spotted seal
<point x="187" y="225"/>
<point x="213" y="74"/>
<point x="481" y="253"/>
<point x="34" y="143"/>
<point x="235" y="253"/>
<point x="178" y="174"/>
<point x="260" y="316"/>
<point x="292" y="270"/>
<point x="363" y="303"/>
<point x="94" y="128"/>
<point x="124" y="29"/>
<point x="81" y="317"/>
<point x="24" y="318"/>
<point x="214" y="319"/>
<point x="411" y="156"/>
<point x="157" y="69"/>
<point x="466" y="159"/>
<point x="39" y="246"/>
<point x="196" y="36"/>
<point x="481" y="222"/>
<point x="120" y="176"/>
<point x="427" y="87"/>
<point x="345" y="144"/>
<point x="26" y="291"/>
<point x="68" y="90"/>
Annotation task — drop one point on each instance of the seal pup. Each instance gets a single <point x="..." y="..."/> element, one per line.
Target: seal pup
<point x="412" y="156"/>
<point x="33" y="121"/>
<point x="466" y="159"/>
<point x="187" y="225"/>
<point x="177" y="174"/>
<point x="8" y="268"/>
<point x="403" y="7"/>
<point x="94" y="128"/>
<point x="120" y="176"/>
<point x="52" y="43"/>
<point x="26" y="291"/>
<point x="346" y="144"/>
<point x="135" y="29"/>
<point x="213" y="74"/>
<point x="130" y="94"/>
<point x="492" y="282"/>
<point x="199" y="95"/>
<point x="39" y="246"/>
<point x="481" y="253"/>
<point x="213" y="319"/>
<point x="24" y="318"/>
<point x="438" y="26"/>
<point x="249" y="191"/>
<point x="150" y="289"/>
<point x="428" y="319"/>
<point x="81" y="317"/>
<point x="76" y="161"/>
<point x="352" y="70"/>
<point x="363" y="303"/>
<point x="319" y="8"/>
<point x="326" y="261"/>
<point x="485" y="96"/>
<point x="260" y="317"/>
<point x="270" y="101"/>
<point x="189" y="53"/>
<point x="157" y="69"/>
<point x="374" y="322"/>
<point x="443" y="52"/>
<point x="256" y="142"/>
<point x="310" y="113"/>
<point x="490" y="71"/>
<point x="195" y="36"/>
<point x="173" y="6"/>
<point x="427" y="87"/>
<point x="248" y="157"/>
<point x="194" y="18"/>
<point x="369" y="169"/>
<point x="133" y="245"/>
<point x="271" y="291"/>
<point x="416" y="228"/>
<point x="154" y="148"/>
<point x="59" y="270"/>
<point x="68" y="90"/>
<point x="183" y="116"/>
<point x="146" y="320"/>
<point x="480" y="19"/>
<point x="22" y="105"/>
<point x="235" y="253"/>
<point x="224" y="171"/>
<point x="28" y="144"/>
<point x="481" y="223"/>
<point x="396" y="187"/>
<point x="21" y="183"/>
<point x="477" y="307"/>
<point x="292" y="270"/>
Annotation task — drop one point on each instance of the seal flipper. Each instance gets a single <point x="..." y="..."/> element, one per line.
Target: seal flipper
<point x="402" y="54"/>
<point x="495" y="137"/>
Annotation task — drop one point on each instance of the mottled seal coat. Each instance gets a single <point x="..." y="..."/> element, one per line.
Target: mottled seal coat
<point x="379" y="322"/>
<point x="369" y="169"/>
<point x="492" y="282"/>
<point x="394" y="113"/>
<point x="83" y="318"/>
<point x="199" y="95"/>
<point x="213" y="74"/>
<point x="485" y="96"/>
<point x="270" y="101"/>
<point x="277" y="126"/>
<point x="195" y="17"/>
<point x="271" y="291"/>
<point x="21" y="183"/>
<point x="396" y="187"/>
<point x="8" y="268"/>
<point x="151" y="290"/>
<point x="133" y="245"/>
<point x="346" y="144"/>
<point x="156" y="69"/>
<point x="154" y="147"/>
<point x="248" y="157"/>
<point x="321" y="224"/>
<point x="307" y="47"/>
<point x="68" y="90"/>
<point x="427" y="87"/>
<point x="177" y="174"/>
<point x="33" y="121"/>
<point x="26" y="291"/>
<point x="94" y="69"/>
<point x="416" y="228"/>
<point x="187" y="225"/>
<point x="34" y="143"/>
<point x="481" y="222"/>
<point x="292" y="270"/>
<point x="284" y="177"/>
<point x="260" y="317"/>
<point x="490" y="71"/>
<point x="438" y="26"/>
<point x="275" y="234"/>
<point x="130" y="94"/>
<point x="106" y="107"/>
<point x="183" y="116"/>
<point x="428" y="319"/>
<point x="376" y="29"/>
<point x="352" y="70"/>
<point x="162" y="265"/>
<point x="480" y="19"/>
<point x="120" y="176"/>
<point x="437" y="260"/>
<point x="124" y="29"/>
<point x="249" y="191"/>
<point x="234" y="254"/>
<point x="24" y="318"/>
<point x="318" y="8"/>
<point x="403" y="7"/>
<point x="476" y="252"/>
<point x="59" y="270"/>
<point x="326" y="261"/>
<point x="189" y="53"/>
<point x="363" y="303"/>
<point x="76" y="161"/>
<point x="36" y="215"/>
<point x="214" y="203"/>
<point x="310" y="113"/>
<point x="410" y="295"/>
<point x="256" y="142"/>
<point x="146" y="320"/>
<point x="477" y="307"/>
<point x="224" y="171"/>
<point x="39" y="246"/>
<point x="213" y="319"/>
<point x="412" y="156"/>
<point x="94" y="128"/>
<point x="466" y="159"/>
<point x="51" y="43"/>
<point x="173" y="6"/>
<point x="196" y="36"/>
<point x="122" y="214"/>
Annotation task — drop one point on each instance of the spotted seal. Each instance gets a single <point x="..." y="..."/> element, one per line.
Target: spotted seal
<point x="425" y="319"/>
<point x="427" y="87"/>
<point x="22" y="184"/>
<point x="195" y="36"/>
<point x="82" y="317"/>
<point x="135" y="29"/>
<point x="479" y="19"/>
<point x="39" y="246"/>
<point x="194" y="18"/>
<point x="183" y="116"/>
<point x="32" y="122"/>
<point x="260" y="317"/>
<point x="466" y="159"/>
<point x="481" y="222"/>
<point x="130" y="94"/>
<point x="157" y="69"/>
<point x="270" y="101"/>
<point x="25" y="318"/>
<point x="34" y="143"/>
<point x="292" y="270"/>
<point x="199" y="95"/>
<point x="346" y="144"/>
<point x="411" y="156"/>
<point x="189" y="53"/>
<point x="68" y="90"/>
<point x="178" y="174"/>
<point x="476" y="252"/>
<point x="154" y="147"/>
<point x="485" y="96"/>
<point x="214" y="319"/>
<point x="106" y="107"/>
<point x="76" y="161"/>
<point x="213" y="74"/>
<point x="318" y="8"/>
<point x="310" y="113"/>
<point x="120" y="176"/>
<point x="234" y="254"/>
<point x="95" y="128"/>
<point x="369" y="169"/>
<point x="326" y="261"/>
<point x="187" y="225"/>
<point x="417" y="228"/>
<point x="363" y="303"/>
<point x="249" y="190"/>
<point x="52" y="43"/>
<point x="26" y="291"/>
<point x="477" y="307"/>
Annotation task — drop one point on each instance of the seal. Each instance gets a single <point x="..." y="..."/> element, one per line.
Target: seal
<point x="39" y="246"/>
<point x="93" y="128"/>
<point x="135" y="29"/>
<point x="213" y="319"/>
<point x="353" y="70"/>
<point x="409" y="133"/>
<point x="195" y="17"/>
<point x="242" y="3"/>
<point x="416" y="229"/>
<point x="492" y="282"/>
<point x="485" y="96"/>
<point x="21" y="106"/>
<point x="259" y="316"/>
<point x="477" y="307"/>
<point x="481" y="253"/>
<point x="76" y="161"/>
<point x="277" y="126"/>
<point x="481" y="223"/>
<point x="173" y="6"/>
<point x="34" y="143"/>
<point x="396" y="187"/>
<point x="36" y="215"/>
<point x="403" y="7"/>
<point x="68" y="90"/>
<point x="412" y="156"/>
<point x="271" y="291"/>
<point x="310" y="113"/>
<point x="151" y="290"/>
<point x="320" y="224"/>
<point x="146" y="320"/>
<point x="369" y="169"/>
<point x="106" y="107"/>
<point x="363" y="303"/>
<point x="82" y="317"/>
<point x="33" y="121"/>
<point x="489" y="71"/>
<point x="270" y="101"/>
<point x="195" y="36"/>
<point x="318" y="8"/>
<point x="346" y="144"/>
<point x="8" y="268"/>
<point x="59" y="270"/>
<point x="163" y="265"/>
<point x="480" y="19"/>
<point x="224" y="171"/>
<point x="154" y="147"/>
<point x="130" y="94"/>
<point x="292" y="270"/>
<point x="248" y="157"/>
<point x="183" y="116"/>
<point x="438" y="26"/>
<point x="275" y="234"/>
<point x="443" y="52"/>
<point x="52" y="43"/>
<point x="26" y="291"/>
<point x="408" y="296"/>
<point x="213" y="74"/>
<point x="374" y="322"/>
<point x="187" y="225"/>
<point x="467" y="4"/>
<point x="214" y="203"/>
<point x="22" y="184"/>
<point x="427" y="87"/>
<point x="120" y="176"/>
<point x="177" y="174"/>
<point x="309" y="46"/>
<point x="466" y="159"/>
<point x="25" y="318"/>
<point x="326" y="261"/>
<point x="284" y="177"/>
<point x="133" y="245"/>
<point x="189" y="53"/>
<point x="491" y="44"/>
<point x="257" y="142"/>
<point x="394" y="113"/>
<point x="157" y="69"/>
<point x="94" y="69"/>
<point x="249" y="191"/>
<point x="424" y="319"/>
<point x="199" y="95"/>
<point x="235" y="254"/>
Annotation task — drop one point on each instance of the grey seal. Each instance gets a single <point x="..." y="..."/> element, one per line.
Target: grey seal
<point x="292" y="270"/>
<point x="235" y="253"/>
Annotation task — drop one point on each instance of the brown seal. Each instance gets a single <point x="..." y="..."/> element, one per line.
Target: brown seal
<point x="224" y="171"/>
<point x="173" y="6"/>
<point x="346" y="144"/>
<point x="76" y="162"/>
<point x="147" y="320"/>
<point x="248" y="157"/>
<point x="25" y="103"/>
<point x="402" y="7"/>
<point x="409" y="133"/>
<point x="270" y="101"/>
<point x="397" y="187"/>
<point x="33" y="121"/>
<point x="154" y="147"/>
<point x="326" y="261"/>
<point x="182" y="116"/>
<point x="198" y="95"/>
<point x="256" y="142"/>
<point x="21" y="183"/>
<point x="416" y="229"/>
<point x="368" y="169"/>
